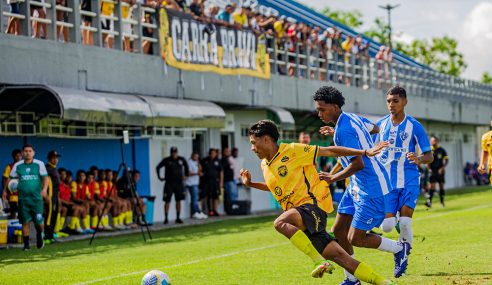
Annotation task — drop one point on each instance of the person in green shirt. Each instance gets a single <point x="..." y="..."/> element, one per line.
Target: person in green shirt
<point x="32" y="189"/>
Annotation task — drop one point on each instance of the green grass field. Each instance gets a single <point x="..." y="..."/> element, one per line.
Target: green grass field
<point x="453" y="245"/>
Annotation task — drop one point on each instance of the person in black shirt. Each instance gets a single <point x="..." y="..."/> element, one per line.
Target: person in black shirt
<point x="51" y="204"/>
<point x="176" y="171"/>
<point x="230" y="185"/>
<point x="436" y="170"/>
<point x="212" y="181"/>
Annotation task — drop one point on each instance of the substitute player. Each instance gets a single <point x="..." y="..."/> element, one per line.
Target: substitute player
<point x="405" y="134"/>
<point x="32" y="189"/>
<point x="485" y="159"/>
<point x="362" y="206"/>
<point x="290" y="175"/>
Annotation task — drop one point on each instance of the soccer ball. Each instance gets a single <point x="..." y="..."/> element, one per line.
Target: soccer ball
<point x="156" y="277"/>
<point x="13" y="185"/>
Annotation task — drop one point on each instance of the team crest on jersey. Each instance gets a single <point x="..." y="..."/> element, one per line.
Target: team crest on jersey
<point x="282" y="171"/>
<point x="403" y="136"/>
<point x="278" y="191"/>
<point x="392" y="140"/>
<point x="28" y="170"/>
<point x="307" y="148"/>
<point x="285" y="159"/>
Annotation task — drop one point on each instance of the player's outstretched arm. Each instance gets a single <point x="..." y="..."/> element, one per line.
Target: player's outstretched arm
<point x="425" y="158"/>
<point x="345" y="151"/>
<point x="246" y="178"/>
<point x="483" y="162"/>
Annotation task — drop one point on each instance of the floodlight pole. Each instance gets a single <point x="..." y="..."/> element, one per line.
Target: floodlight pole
<point x="388" y="8"/>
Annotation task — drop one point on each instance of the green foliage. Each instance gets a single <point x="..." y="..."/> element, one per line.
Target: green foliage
<point x="352" y="19"/>
<point x="379" y="32"/>
<point x="486" y="78"/>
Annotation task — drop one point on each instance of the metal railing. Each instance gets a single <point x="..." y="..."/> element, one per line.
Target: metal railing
<point x="299" y="61"/>
<point x="365" y="72"/>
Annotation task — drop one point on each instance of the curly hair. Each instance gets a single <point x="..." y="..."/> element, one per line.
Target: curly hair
<point x="264" y="128"/>
<point x="330" y="95"/>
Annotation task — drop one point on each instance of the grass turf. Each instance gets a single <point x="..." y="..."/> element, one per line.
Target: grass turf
<point x="452" y="245"/>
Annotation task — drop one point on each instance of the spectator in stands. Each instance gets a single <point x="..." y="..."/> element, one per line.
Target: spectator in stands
<point x="279" y="28"/>
<point x="149" y="18"/>
<point x="347" y="46"/>
<point x="380" y="61"/>
<point x="176" y="171"/>
<point x="87" y="37"/>
<point x="13" y="198"/>
<point x="230" y="185"/>
<point x="192" y="184"/>
<point x="107" y="25"/>
<point x="212" y="181"/>
<point x="197" y="8"/>
<point x="468" y="173"/>
<point x="224" y="17"/>
<point x="183" y="7"/>
<point x="126" y="12"/>
<point x="211" y="12"/>
<point x="51" y="204"/>
<point x="313" y="43"/>
<point x="240" y="18"/>
<point x="13" y="24"/>
<point x="63" y="17"/>
<point x="38" y="27"/>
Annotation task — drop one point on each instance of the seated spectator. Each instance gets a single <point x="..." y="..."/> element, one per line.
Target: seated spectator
<point x="67" y="207"/>
<point x="79" y="196"/>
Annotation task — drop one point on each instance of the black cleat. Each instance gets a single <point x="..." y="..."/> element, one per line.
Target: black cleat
<point x="179" y="221"/>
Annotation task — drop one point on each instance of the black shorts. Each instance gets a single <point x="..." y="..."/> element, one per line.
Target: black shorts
<point x="314" y="219"/>
<point x="175" y="188"/>
<point x="211" y="189"/>
<point x="435" y="177"/>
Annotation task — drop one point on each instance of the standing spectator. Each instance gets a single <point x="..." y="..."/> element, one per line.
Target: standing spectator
<point x="240" y="18"/>
<point x="13" y="198"/>
<point x="107" y="9"/>
<point x="230" y="184"/>
<point x="212" y="180"/>
<point x="13" y="24"/>
<point x="87" y="37"/>
<point x="32" y="188"/>
<point x="176" y="170"/>
<point x="224" y="17"/>
<point x="149" y="18"/>
<point x="192" y="183"/>
<point x="279" y="27"/>
<point x="126" y="12"/>
<point x="51" y="204"/>
<point x="347" y="46"/>
<point x="239" y="160"/>
<point x="304" y="138"/>
<point x="182" y="5"/>
<point x="381" y="65"/>
<point x="38" y="27"/>
<point x="62" y="16"/>
<point x="196" y="8"/>
<point x="437" y="170"/>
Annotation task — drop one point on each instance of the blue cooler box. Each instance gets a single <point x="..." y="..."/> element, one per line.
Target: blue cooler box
<point x="149" y="214"/>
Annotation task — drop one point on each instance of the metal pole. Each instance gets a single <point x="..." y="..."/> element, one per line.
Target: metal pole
<point x="118" y="27"/>
<point x="388" y="8"/>
<point x="51" y="14"/>
<point x="25" y="9"/>
<point x="74" y="18"/>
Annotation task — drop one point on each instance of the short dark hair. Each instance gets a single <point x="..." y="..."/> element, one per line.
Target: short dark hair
<point x="264" y="128"/>
<point x="27" y="145"/>
<point x="69" y="173"/>
<point x="15" y="152"/>
<point x="397" y="90"/>
<point x="435" y="137"/>
<point x="80" y="171"/>
<point x="61" y="169"/>
<point x="136" y="171"/>
<point x="330" y="95"/>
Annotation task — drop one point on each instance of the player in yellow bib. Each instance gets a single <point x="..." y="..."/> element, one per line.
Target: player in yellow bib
<point x="291" y="177"/>
<point x="486" y="157"/>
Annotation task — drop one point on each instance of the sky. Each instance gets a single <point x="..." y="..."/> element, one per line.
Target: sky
<point x="468" y="21"/>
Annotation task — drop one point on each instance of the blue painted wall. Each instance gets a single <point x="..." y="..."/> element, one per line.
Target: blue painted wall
<point x="83" y="153"/>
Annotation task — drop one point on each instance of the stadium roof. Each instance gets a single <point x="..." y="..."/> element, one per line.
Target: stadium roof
<point x="309" y="16"/>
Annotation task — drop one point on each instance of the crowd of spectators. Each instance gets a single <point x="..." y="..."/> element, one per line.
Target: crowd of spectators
<point x="282" y="33"/>
<point x="472" y="176"/>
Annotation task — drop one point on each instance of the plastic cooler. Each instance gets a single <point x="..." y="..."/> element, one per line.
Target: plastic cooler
<point x="13" y="226"/>
<point x="3" y="230"/>
<point x="149" y="214"/>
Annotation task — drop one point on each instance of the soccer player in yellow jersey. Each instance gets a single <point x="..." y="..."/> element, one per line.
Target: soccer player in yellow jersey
<point x="290" y="175"/>
<point x="485" y="159"/>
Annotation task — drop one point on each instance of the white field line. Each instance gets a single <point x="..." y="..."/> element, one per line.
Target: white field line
<point x="453" y="212"/>
<point x="184" y="263"/>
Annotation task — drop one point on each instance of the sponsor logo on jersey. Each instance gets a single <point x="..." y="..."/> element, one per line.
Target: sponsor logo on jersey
<point x="278" y="191"/>
<point x="285" y="159"/>
<point x="282" y="171"/>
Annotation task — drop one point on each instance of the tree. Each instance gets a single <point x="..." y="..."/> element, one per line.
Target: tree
<point x="379" y="32"/>
<point x="486" y="78"/>
<point x="440" y="54"/>
<point x="351" y="19"/>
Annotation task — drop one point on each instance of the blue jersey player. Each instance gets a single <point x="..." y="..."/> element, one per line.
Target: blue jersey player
<point x="362" y="206"/>
<point x="405" y="134"/>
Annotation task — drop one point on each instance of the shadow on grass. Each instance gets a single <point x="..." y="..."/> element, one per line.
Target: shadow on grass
<point x="106" y="244"/>
<point x="459" y="274"/>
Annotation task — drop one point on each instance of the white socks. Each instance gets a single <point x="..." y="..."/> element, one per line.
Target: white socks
<point x="406" y="230"/>
<point x="348" y="274"/>
<point x="389" y="245"/>
<point x="388" y="224"/>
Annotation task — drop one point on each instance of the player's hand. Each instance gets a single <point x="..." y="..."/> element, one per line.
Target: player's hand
<point x="245" y="177"/>
<point x="413" y="158"/>
<point x="440" y="171"/>
<point x="377" y="148"/>
<point x="326" y="177"/>
<point x="4" y="195"/>
<point x="481" y="169"/>
<point x="44" y="194"/>
<point x="327" y="131"/>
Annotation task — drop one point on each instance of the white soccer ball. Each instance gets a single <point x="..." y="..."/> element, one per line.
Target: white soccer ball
<point x="156" y="277"/>
<point x="13" y="185"/>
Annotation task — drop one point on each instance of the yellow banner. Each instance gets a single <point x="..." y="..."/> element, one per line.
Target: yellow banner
<point x="191" y="45"/>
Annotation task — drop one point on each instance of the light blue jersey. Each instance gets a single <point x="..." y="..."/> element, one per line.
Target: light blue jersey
<point x="403" y="138"/>
<point x="373" y="180"/>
